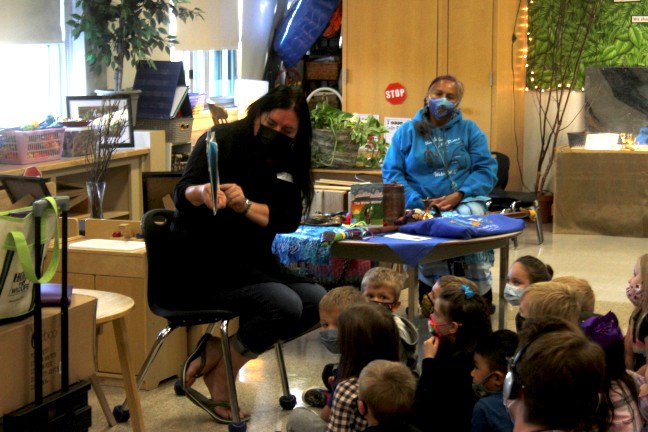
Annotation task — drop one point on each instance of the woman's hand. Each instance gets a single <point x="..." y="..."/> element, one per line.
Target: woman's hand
<point x="201" y="194"/>
<point x="448" y="202"/>
<point x="235" y="197"/>
<point x="431" y="347"/>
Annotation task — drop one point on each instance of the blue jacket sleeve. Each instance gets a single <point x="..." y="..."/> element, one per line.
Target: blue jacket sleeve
<point x="394" y="168"/>
<point x="483" y="172"/>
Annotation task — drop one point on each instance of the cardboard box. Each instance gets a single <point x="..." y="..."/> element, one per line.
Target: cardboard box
<point x="366" y="203"/>
<point x="17" y="362"/>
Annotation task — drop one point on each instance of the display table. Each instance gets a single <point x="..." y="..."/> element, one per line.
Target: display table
<point x="601" y="192"/>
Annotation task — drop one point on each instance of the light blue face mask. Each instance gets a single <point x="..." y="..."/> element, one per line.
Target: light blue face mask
<point x="441" y="108"/>
<point x="329" y="338"/>
<point x="513" y="294"/>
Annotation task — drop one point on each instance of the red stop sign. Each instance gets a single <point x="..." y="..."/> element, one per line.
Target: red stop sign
<point x="395" y="93"/>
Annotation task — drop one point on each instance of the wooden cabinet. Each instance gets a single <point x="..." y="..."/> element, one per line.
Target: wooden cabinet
<point x="389" y="42"/>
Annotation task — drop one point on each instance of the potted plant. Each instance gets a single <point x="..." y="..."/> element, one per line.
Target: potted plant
<point x="126" y="31"/>
<point x="338" y="135"/>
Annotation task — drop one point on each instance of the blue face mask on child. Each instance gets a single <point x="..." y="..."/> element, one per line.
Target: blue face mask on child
<point x="513" y="294"/>
<point x="441" y="108"/>
<point x="329" y="338"/>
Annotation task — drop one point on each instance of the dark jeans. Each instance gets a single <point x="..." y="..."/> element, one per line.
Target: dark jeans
<point x="270" y="312"/>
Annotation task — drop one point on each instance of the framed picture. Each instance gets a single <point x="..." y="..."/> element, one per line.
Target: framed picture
<point x="92" y="108"/>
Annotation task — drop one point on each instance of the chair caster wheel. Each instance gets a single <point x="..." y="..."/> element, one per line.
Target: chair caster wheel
<point x="121" y="415"/>
<point x="237" y="427"/>
<point x="288" y="402"/>
<point x="177" y="387"/>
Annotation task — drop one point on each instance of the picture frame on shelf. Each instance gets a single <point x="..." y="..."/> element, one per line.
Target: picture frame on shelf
<point x="91" y="108"/>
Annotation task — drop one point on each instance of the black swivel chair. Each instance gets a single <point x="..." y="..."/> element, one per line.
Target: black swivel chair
<point x="162" y="247"/>
<point x="513" y="203"/>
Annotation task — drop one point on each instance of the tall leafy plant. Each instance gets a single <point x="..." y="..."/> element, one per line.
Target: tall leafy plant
<point x="559" y="31"/>
<point x="126" y="30"/>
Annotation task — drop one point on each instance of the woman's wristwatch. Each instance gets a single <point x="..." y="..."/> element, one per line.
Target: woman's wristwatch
<point x="248" y="204"/>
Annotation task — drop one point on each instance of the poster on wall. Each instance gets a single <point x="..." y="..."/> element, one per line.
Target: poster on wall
<point x="393" y="123"/>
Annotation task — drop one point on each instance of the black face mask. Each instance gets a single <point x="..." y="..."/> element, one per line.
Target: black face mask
<point x="275" y="142"/>
<point x="277" y="147"/>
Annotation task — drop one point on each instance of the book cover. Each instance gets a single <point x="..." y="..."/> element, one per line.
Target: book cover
<point x="366" y="202"/>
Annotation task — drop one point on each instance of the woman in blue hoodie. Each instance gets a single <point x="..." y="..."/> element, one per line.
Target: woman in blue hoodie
<point x="441" y="156"/>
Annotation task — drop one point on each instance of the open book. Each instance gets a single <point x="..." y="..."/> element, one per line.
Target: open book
<point x="212" y="163"/>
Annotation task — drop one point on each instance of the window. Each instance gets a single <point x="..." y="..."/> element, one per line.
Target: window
<point x="32" y="83"/>
<point x="209" y="72"/>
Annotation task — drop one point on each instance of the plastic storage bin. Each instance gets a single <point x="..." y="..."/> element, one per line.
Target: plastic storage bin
<point x="28" y="147"/>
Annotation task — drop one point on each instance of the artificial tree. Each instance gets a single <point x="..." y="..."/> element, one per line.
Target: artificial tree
<point x="559" y="32"/>
<point x="129" y="30"/>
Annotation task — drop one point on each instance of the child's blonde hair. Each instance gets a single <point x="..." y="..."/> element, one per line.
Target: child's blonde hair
<point x="582" y="289"/>
<point x="387" y="388"/>
<point x="384" y="277"/>
<point x="551" y="299"/>
<point x="341" y="297"/>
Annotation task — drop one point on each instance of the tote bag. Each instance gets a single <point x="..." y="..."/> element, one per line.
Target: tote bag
<point x="17" y="255"/>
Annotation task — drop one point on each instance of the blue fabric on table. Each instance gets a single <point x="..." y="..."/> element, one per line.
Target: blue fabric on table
<point x="305" y="254"/>
<point x="464" y="227"/>
<point x="411" y="252"/>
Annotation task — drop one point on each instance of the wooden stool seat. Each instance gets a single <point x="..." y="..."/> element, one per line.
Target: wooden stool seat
<point x="112" y="308"/>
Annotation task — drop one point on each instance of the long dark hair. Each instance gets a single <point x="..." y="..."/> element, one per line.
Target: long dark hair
<point x="366" y="332"/>
<point x="472" y="314"/>
<point x="285" y="97"/>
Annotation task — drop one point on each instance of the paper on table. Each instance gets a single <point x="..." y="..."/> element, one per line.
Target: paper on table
<point x="409" y="237"/>
<point x="212" y="163"/>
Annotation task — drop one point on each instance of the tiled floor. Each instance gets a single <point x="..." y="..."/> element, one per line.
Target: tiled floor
<point x="606" y="262"/>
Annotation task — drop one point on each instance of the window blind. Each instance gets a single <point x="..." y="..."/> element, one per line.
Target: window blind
<point x="30" y="21"/>
<point x="217" y="31"/>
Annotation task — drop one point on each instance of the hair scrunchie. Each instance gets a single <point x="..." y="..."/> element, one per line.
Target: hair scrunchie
<point x="467" y="291"/>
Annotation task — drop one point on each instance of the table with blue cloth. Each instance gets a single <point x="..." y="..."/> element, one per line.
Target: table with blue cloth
<point x="412" y="245"/>
<point x="304" y="253"/>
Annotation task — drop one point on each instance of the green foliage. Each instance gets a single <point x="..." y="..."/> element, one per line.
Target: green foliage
<point x="367" y="133"/>
<point x="558" y="27"/>
<point x="129" y="30"/>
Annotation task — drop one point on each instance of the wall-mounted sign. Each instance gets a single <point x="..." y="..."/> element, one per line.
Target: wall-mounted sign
<point x="395" y="93"/>
<point x="639" y="19"/>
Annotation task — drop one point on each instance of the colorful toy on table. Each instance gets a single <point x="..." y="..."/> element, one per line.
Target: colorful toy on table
<point x="355" y="231"/>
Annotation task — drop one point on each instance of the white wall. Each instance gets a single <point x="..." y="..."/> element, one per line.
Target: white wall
<point x="573" y="121"/>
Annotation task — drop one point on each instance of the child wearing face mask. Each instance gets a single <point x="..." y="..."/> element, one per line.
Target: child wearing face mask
<point x="444" y="392"/>
<point x="330" y="307"/>
<point x="367" y="332"/>
<point x="491" y="364"/>
<point x="636" y="338"/>
<point x="523" y="272"/>
<point x="383" y="285"/>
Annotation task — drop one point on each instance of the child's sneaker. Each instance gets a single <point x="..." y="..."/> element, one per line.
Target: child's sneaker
<point x="315" y="397"/>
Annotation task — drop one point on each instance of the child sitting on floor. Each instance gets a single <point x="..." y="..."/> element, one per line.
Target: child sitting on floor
<point x="330" y="307"/>
<point x="491" y="364"/>
<point x="383" y="285"/>
<point x="385" y="396"/>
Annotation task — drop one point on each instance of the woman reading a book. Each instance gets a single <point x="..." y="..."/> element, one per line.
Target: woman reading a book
<point x="265" y="187"/>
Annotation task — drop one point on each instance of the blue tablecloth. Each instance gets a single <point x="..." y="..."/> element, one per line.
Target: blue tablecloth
<point x="305" y="253"/>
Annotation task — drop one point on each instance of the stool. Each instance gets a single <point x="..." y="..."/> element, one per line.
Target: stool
<point x="113" y="307"/>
